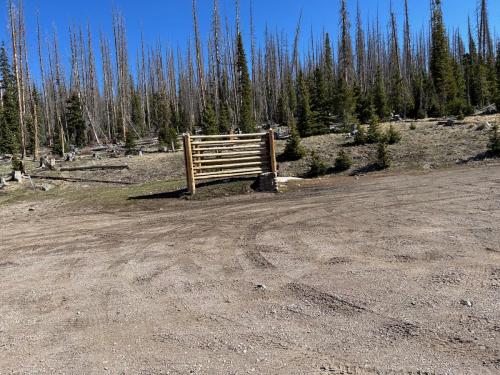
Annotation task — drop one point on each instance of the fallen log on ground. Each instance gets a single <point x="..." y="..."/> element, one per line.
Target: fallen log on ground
<point x="76" y="179"/>
<point x="94" y="167"/>
<point x="100" y="148"/>
<point x="145" y="141"/>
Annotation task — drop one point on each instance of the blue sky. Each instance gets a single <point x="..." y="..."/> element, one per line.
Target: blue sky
<point x="170" y="20"/>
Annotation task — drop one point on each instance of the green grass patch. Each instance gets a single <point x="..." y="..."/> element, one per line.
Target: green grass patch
<point x="90" y="196"/>
<point x="105" y="197"/>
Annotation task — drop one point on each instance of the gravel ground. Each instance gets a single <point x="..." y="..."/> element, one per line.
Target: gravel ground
<point x="382" y="274"/>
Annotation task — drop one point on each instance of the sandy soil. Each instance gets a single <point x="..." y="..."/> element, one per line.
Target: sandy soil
<point x="367" y="275"/>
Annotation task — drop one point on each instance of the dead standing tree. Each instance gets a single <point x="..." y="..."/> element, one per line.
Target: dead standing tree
<point x="199" y="60"/>
<point x="45" y="96"/>
<point x="109" y="108"/>
<point x="30" y="105"/>
<point x="122" y="72"/>
<point x="57" y="91"/>
<point x="14" y="20"/>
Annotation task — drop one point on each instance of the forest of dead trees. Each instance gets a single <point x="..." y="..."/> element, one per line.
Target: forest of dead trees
<point x="364" y="76"/>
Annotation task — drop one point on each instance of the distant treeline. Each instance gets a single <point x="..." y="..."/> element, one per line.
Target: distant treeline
<point x="363" y="77"/>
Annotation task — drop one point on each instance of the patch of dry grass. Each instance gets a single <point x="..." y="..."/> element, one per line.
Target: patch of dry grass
<point x="428" y="146"/>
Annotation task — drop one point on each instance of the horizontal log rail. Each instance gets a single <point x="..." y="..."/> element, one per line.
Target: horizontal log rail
<point x="233" y="160"/>
<point x="223" y="136"/>
<point x="230" y="148"/>
<point x="254" y="171"/>
<point x="229" y="166"/>
<point x="226" y="142"/>
<point x="210" y="157"/>
<point x="235" y="153"/>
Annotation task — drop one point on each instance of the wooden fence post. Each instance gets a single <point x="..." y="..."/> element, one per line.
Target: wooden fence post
<point x="272" y="151"/>
<point x="188" y="156"/>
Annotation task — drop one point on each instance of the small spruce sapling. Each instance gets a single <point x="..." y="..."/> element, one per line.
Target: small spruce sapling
<point x="173" y="139"/>
<point x="383" y="158"/>
<point x="374" y="134"/>
<point x="343" y="161"/>
<point x="293" y="149"/>
<point x="360" y="137"/>
<point x="393" y="136"/>
<point x="494" y="145"/>
<point x="130" y="143"/>
<point x="318" y="167"/>
<point x="16" y="163"/>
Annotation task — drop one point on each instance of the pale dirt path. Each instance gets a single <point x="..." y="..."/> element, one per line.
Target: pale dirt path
<point x="365" y="276"/>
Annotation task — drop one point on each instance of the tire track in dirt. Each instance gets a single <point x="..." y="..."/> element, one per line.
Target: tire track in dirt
<point x="324" y="301"/>
<point x="396" y="329"/>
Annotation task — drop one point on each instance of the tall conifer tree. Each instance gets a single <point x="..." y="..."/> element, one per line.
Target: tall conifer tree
<point x="440" y="60"/>
<point x="9" y="111"/>
<point x="246" y="121"/>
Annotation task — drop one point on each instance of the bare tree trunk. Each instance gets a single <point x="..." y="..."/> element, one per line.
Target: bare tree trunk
<point x="48" y="121"/>
<point x="122" y="71"/>
<point x="16" y="62"/>
<point x="199" y="59"/>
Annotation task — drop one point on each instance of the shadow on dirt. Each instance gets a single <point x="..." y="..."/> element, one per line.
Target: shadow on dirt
<point x="479" y="157"/>
<point x="166" y="195"/>
<point x="205" y="190"/>
<point x="373" y="167"/>
<point x="282" y="158"/>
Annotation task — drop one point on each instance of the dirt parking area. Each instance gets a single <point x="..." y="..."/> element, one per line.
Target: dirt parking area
<point x="383" y="274"/>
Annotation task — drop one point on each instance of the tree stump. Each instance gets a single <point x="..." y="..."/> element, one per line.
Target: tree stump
<point x="17" y="176"/>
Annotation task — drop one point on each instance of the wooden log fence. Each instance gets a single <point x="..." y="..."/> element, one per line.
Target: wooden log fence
<point x="212" y="157"/>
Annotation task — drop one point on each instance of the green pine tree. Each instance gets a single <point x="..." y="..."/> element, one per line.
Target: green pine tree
<point x="282" y="109"/>
<point x="224" y="119"/>
<point x="131" y="143"/>
<point x="491" y="79"/>
<point x="319" y="103"/>
<point x="246" y="121"/>
<point x="75" y="121"/>
<point x="374" y="135"/>
<point x="345" y="102"/>
<point x="137" y="115"/>
<point x="209" y="120"/>
<point x="160" y="111"/>
<point x="343" y="161"/>
<point x="168" y="137"/>
<point x="360" y="138"/>
<point x="494" y="145"/>
<point x="317" y="166"/>
<point x="304" y="113"/>
<point x="472" y="74"/>
<point x="293" y="149"/>
<point x="292" y="93"/>
<point x="458" y="105"/>
<point x="440" y="61"/>
<point x="365" y="109"/>
<point x="497" y="66"/>
<point x="383" y="158"/>
<point x="418" y="96"/>
<point x="57" y="146"/>
<point x="393" y="136"/>
<point x="379" y="96"/>
<point x="329" y="75"/>
<point x="10" y="137"/>
<point x="396" y="93"/>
